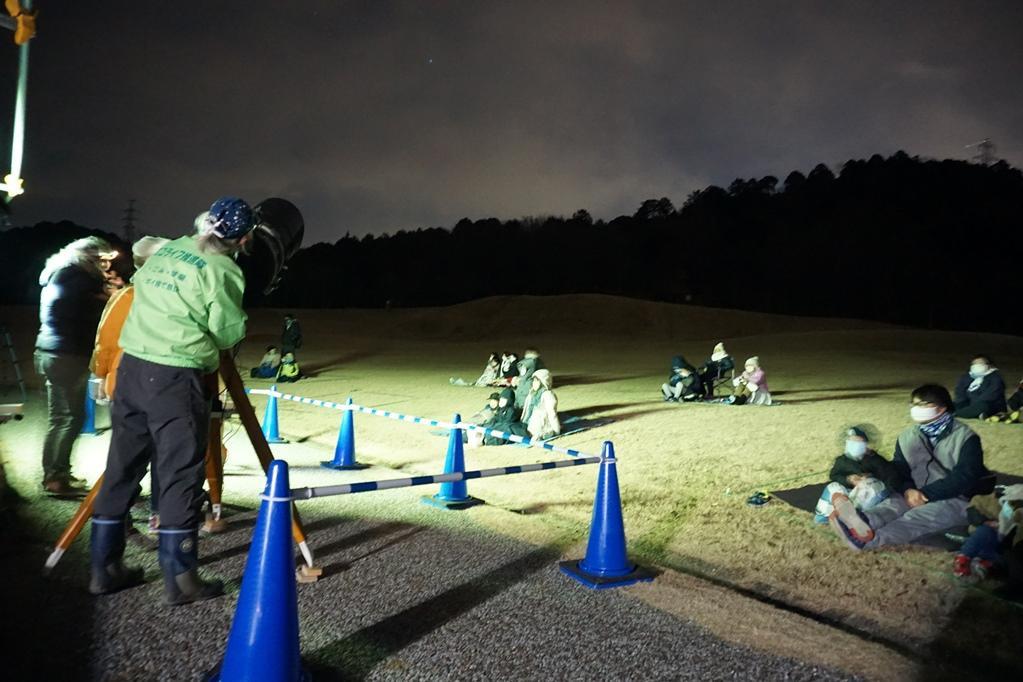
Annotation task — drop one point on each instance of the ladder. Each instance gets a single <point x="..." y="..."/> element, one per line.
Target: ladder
<point x="8" y="407"/>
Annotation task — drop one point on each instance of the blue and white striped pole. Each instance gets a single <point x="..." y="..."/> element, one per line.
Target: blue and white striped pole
<point x="393" y="483"/>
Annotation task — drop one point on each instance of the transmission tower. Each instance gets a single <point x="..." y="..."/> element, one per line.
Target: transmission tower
<point x="129" y="222"/>
<point x="985" y="151"/>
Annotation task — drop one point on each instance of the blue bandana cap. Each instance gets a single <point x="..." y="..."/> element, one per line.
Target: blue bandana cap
<point x="230" y="218"/>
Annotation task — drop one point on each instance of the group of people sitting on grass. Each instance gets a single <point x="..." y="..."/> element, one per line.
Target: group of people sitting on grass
<point x="935" y="485"/>
<point x="687" y="383"/>
<point x="526" y="406"/>
<point x="280" y="364"/>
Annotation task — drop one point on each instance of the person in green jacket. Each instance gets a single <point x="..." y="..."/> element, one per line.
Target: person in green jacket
<point x="187" y="309"/>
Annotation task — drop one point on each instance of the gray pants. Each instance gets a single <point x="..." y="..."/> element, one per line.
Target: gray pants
<point x="895" y="523"/>
<point x="161" y="414"/>
<point x="66" y="380"/>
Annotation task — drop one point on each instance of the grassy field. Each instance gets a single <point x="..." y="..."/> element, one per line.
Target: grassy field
<point x="685" y="470"/>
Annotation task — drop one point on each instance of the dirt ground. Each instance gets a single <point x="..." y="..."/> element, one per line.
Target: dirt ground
<point x="764" y="577"/>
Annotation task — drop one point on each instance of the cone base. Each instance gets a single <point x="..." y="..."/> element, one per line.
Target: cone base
<point x="276" y="441"/>
<point x="214" y="675"/>
<point x="344" y="467"/>
<point x="451" y="505"/>
<point x="596" y="582"/>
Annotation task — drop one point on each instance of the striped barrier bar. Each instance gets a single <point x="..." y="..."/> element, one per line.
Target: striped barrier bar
<point x="390" y="484"/>
<point x="397" y="416"/>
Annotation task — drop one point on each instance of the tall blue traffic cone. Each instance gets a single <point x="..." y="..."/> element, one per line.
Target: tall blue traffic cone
<point x="606" y="563"/>
<point x="89" y="425"/>
<point x="453" y="495"/>
<point x="270" y="429"/>
<point x="344" y="451"/>
<point x="263" y="644"/>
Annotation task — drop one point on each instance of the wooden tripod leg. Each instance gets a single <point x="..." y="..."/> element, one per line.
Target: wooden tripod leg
<point x="74" y="527"/>
<point x="248" y="416"/>
<point x="214" y="462"/>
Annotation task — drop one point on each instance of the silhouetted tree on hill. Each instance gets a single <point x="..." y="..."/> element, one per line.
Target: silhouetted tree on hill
<point x="898" y="239"/>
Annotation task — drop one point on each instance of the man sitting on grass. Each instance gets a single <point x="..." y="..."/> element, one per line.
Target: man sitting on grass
<point x="940" y="464"/>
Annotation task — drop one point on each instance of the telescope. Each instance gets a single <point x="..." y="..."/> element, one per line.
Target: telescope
<point x="276" y="238"/>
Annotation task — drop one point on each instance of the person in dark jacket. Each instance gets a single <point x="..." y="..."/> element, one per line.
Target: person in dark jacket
<point x="718" y="367"/>
<point x="940" y="465"/>
<point x="860" y="461"/>
<point x="980" y="392"/>
<point x="291" y="336"/>
<point x="683" y="384"/>
<point x="505" y="418"/>
<point x="529" y="363"/>
<point x="70" y="306"/>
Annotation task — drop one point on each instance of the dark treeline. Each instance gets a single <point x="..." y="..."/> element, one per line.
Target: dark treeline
<point x="927" y="243"/>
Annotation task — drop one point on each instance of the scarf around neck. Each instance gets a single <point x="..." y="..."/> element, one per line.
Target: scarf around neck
<point x="937" y="428"/>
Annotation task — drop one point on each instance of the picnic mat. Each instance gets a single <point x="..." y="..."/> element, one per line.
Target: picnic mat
<point x="805" y="498"/>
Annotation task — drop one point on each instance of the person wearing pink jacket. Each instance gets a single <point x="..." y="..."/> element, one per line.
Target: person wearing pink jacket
<point x="751" y="386"/>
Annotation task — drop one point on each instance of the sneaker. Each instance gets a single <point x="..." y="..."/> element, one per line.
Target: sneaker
<point x="843" y="532"/>
<point x="852" y="518"/>
<point x="980" y="568"/>
<point x="961" y="566"/>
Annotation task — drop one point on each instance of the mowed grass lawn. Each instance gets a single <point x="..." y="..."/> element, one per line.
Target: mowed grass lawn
<point x="685" y="470"/>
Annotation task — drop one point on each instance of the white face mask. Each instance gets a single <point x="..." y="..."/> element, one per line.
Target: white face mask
<point x="855" y="449"/>
<point x="922" y="414"/>
<point x="978" y="369"/>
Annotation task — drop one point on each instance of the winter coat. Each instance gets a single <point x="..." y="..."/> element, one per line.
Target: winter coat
<point x="526" y="368"/>
<point x="291" y="337"/>
<point x="505" y="419"/>
<point x="489" y="376"/>
<point x="70" y="305"/>
<point x="540" y="413"/>
<point x="987" y="399"/>
<point x="872" y="464"/>
<point x="716" y="369"/>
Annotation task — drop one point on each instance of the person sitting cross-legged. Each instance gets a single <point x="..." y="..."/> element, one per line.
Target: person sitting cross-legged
<point x="940" y="464"/>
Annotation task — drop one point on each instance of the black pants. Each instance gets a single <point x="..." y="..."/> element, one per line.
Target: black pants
<point x="160" y="413"/>
<point x="66" y="380"/>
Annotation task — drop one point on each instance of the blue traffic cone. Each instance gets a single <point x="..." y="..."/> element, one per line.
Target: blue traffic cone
<point x="606" y="563"/>
<point x="270" y="429"/>
<point x="453" y="495"/>
<point x="89" y="426"/>
<point x="344" y="451"/>
<point x="263" y="644"/>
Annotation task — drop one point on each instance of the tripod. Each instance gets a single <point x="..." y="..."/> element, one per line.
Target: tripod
<point x="5" y="337"/>
<point x="214" y="471"/>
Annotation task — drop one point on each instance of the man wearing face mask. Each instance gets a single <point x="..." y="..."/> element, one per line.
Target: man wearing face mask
<point x="939" y="463"/>
<point x="980" y="392"/>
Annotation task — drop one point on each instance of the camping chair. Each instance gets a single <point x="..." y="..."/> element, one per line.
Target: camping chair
<point x="722" y="378"/>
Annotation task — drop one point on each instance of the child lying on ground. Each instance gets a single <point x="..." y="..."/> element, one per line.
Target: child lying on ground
<point x="490" y="376"/>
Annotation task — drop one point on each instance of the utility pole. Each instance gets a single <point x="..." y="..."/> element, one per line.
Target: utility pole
<point x="129" y="222"/>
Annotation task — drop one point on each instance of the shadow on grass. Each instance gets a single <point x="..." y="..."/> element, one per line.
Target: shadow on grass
<point x="355" y="656"/>
<point x="596" y="409"/>
<point x="314" y="368"/>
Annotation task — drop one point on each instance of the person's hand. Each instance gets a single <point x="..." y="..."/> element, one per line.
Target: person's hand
<point x="855" y="479"/>
<point x="915" y="498"/>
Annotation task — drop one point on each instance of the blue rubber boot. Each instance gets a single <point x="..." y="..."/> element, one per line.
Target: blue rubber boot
<point x="109" y="574"/>
<point x="179" y="561"/>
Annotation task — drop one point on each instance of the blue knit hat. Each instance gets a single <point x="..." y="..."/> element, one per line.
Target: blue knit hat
<point x="230" y="218"/>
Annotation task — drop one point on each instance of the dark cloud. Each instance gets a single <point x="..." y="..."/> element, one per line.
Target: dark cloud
<point x="379" y="116"/>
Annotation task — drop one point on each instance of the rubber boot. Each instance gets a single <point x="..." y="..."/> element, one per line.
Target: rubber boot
<point x="109" y="574"/>
<point x="179" y="560"/>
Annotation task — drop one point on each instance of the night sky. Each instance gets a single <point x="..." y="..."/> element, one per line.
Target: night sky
<point x="379" y="116"/>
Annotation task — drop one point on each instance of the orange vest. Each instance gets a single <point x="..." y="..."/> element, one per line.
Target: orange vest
<point x="106" y="356"/>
